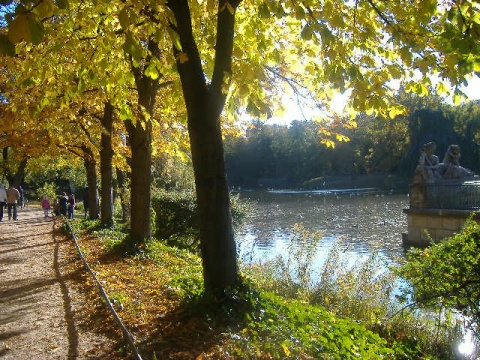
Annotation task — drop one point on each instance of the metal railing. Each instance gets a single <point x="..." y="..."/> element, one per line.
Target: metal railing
<point x="453" y="196"/>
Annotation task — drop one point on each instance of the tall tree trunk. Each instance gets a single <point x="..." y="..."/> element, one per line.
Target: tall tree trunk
<point x="122" y="191"/>
<point x="140" y="139"/>
<point x="5" y="170"/>
<point x="14" y="179"/>
<point x="204" y="105"/>
<point x="19" y="175"/>
<point x="140" y="192"/>
<point x="91" y="170"/>
<point x="216" y="230"/>
<point x="106" y="170"/>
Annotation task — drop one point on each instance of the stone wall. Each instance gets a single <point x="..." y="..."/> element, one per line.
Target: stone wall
<point x="426" y="225"/>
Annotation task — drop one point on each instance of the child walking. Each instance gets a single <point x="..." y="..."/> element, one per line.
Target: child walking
<point x="46" y="206"/>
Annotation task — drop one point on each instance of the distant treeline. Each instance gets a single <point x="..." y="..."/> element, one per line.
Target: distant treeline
<point x="294" y="156"/>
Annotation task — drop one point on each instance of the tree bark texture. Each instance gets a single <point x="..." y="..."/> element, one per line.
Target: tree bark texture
<point x="204" y="105"/>
<point x="140" y="140"/>
<point x="122" y="191"/>
<point x="91" y="171"/>
<point x="14" y="179"/>
<point x="106" y="170"/>
<point x="19" y="174"/>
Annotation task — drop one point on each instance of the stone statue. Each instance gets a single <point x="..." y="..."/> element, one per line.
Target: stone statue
<point x="430" y="170"/>
<point x="428" y="165"/>
<point x="450" y="168"/>
<point x="443" y="175"/>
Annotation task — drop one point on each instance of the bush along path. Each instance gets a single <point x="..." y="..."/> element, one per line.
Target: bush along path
<point x="49" y="305"/>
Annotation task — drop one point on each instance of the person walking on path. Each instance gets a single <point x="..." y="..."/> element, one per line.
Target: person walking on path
<point x="64" y="204"/>
<point x="3" y="200"/>
<point x="46" y="206"/>
<point x="13" y="197"/>
<point x="71" y="206"/>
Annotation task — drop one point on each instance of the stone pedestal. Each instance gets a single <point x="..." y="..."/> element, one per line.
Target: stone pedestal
<point x="426" y="225"/>
<point x="418" y="196"/>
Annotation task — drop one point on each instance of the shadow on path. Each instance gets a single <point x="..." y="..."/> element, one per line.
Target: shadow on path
<point x="36" y="316"/>
<point x="67" y="306"/>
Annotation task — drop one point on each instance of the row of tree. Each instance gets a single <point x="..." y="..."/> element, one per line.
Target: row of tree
<point x="291" y="156"/>
<point x="111" y="84"/>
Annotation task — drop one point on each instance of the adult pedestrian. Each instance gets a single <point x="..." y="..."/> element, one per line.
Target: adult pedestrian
<point x="3" y="200"/>
<point x="13" y="197"/>
<point x="64" y="204"/>
<point x="71" y="206"/>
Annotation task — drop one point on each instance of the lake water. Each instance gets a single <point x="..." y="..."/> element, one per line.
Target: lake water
<point x="363" y="220"/>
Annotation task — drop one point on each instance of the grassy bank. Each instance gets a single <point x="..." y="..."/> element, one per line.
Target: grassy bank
<point x="158" y="294"/>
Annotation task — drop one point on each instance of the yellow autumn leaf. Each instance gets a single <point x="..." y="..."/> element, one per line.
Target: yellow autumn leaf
<point x="182" y="58"/>
<point x="442" y="88"/>
<point x="229" y="7"/>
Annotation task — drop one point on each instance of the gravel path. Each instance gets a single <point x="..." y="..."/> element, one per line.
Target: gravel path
<point x="49" y="308"/>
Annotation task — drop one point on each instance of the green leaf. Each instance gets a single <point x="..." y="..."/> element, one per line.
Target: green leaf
<point x="18" y="29"/>
<point x="132" y="47"/>
<point x="36" y="29"/>
<point x="420" y="89"/>
<point x="151" y="71"/>
<point x="62" y="4"/>
<point x="264" y="11"/>
<point x="26" y="27"/>
<point x="124" y="17"/>
<point x="175" y="39"/>
<point x="44" y="9"/>
<point x="6" y="47"/>
<point x="306" y="33"/>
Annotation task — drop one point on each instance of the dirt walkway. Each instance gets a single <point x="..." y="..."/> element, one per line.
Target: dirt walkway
<point x="49" y="308"/>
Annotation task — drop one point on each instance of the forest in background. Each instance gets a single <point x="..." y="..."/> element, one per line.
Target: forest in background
<point x="292" y="156"/>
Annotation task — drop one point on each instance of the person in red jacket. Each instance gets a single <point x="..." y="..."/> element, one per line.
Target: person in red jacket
<point x="46" y="206"/>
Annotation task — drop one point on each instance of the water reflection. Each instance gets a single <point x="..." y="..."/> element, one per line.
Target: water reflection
<point x="365" y="222"/>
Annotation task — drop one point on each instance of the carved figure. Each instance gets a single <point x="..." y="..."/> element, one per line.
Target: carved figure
<point x="430" y="170"/>
<point x="452" y="156"/>
<point x="428" y="165"/>
<point x="451" y="169"/>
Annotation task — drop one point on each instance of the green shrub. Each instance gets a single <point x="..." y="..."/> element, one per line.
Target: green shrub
<point x="176" y="217"/>
<point x="447" y="275"/>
